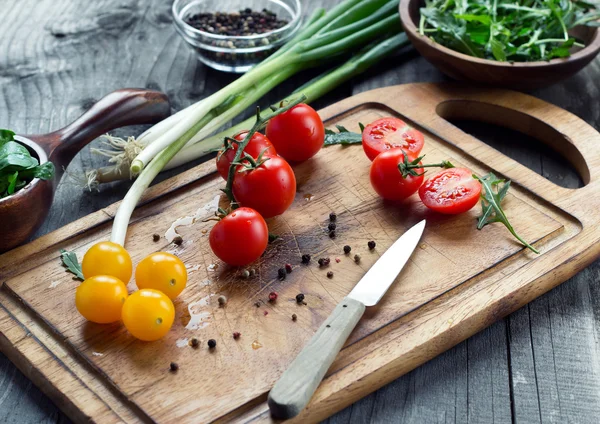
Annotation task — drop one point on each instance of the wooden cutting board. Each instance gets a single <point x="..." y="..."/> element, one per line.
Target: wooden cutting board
<point x="459" y="280"/>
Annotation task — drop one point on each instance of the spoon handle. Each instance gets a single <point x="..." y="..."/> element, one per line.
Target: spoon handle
<point x="120" y="108"/>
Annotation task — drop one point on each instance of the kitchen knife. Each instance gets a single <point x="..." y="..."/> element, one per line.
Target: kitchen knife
<point x="296" y="386"/>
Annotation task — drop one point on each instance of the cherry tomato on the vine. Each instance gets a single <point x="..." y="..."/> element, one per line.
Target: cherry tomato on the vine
<point x="240" y="237"/>
<point x="269" y="188"/>
<point x="388" y="133"/>
<point x="100" y="299"/>
<point x="451" y="191"/>
<point x="162" y="271"/>
<point x="387" y="179"/>
<point x="148" y="314"/>
<point x="257" y="144"/>
<point x="107" y="258"/>
<point x="297" y="134"/>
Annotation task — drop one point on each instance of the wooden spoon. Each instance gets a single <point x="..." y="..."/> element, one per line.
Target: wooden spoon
<point x="22" y="213"/>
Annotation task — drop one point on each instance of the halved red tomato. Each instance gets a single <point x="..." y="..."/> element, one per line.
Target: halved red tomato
<point x="451" y="191"/>
<point x="388" y="133"/>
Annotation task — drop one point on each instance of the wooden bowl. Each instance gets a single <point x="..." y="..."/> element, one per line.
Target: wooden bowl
<point x="521" y="75"/>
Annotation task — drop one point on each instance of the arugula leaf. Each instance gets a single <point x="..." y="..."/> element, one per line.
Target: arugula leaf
<point x="343" y="137"/>
<point x="491" y="205"/>
<point x="70" y="262"/>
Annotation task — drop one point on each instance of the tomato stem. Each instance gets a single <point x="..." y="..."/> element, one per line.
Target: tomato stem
<point x="407" y="168"/>
<point x="261" y="120"/>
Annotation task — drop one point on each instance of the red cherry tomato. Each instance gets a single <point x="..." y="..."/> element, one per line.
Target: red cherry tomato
<point x="269" y="189"/>
<point x="451" y="191"/>
<point x="297" y="134"/>
<point x="239" y="238"/>
<point x="387" y="180"/>
<point x="388" y="133"/>
<point x="255" y="146"/>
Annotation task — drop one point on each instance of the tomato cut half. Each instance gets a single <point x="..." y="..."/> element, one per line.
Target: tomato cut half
<point x="388" y="133"/>
<point x="451" y="191"/>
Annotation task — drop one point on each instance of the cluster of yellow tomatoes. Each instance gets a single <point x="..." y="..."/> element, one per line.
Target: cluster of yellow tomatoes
<point x="148" y="313"/>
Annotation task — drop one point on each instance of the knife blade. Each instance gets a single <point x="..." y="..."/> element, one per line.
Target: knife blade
<point x="295" y="387"/>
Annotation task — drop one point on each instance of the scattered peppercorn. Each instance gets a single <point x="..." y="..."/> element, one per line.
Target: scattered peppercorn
<point x="331" y="226"/>
<point x="371" y="245"/>
<point x="155" y="237"/>
<point x="294" y="317"/>
<point x="243" y="23"/>
<point x="299" y="297"/>
<point x="330" y="274"/>
<point x="273" y="296"/>
<point x="212" y="343"/>
<point x="222" y="300"/>
<point x="236" y="335"/>
<point x="347" y="249"/>
<point x="323" y="262"/>
<point x="357" y="258"/>
<point x="194" y="342"/>
<point x="173" y="366"/>
<point x="257" y="304"/>
<point x="288" y="268"/>
<point x="245" y="274"/>
<point x="305" y="258"/>
<point x="178" y="240"/>
<point x="332" y="216"/>
<point x="281" y="273"/>
<point x="332" y="234"/>
<point x="252" y="272"/>
<point x="337" y="260"/>
<point x="265" y="313"/>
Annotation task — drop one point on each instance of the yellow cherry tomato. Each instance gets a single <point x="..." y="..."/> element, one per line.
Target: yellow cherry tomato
<point x="107" y="258"/>
<point x="162" y="271"/>
<point x="100" y="299"/>
<point x="148" y="314"/>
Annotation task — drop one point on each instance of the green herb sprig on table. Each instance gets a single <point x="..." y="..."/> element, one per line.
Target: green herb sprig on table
<point x="72" y="265"/>
<point x="343" y="137"/>
<point x="494" y="191"/>
<point x="17" y="167"/>
<point x="504" y="30"/>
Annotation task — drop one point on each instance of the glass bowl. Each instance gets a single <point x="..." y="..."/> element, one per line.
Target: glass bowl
<point x="235" y="53"/>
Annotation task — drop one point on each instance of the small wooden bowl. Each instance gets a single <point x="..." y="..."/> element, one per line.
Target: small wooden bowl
<point x="520" y="75"/>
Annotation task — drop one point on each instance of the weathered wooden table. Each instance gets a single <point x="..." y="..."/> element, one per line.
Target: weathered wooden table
<point x="539" y="364"/>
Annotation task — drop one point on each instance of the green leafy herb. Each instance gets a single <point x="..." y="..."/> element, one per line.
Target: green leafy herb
<point x="343" y="137"/>
<point x="508" y="30"/>
<point x="17" y="167"/>
<point x="494" y="191"/>
<point x="70" y="262"/>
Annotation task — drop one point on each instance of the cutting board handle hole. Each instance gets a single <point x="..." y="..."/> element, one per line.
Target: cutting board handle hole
<point x="520" y="136"/>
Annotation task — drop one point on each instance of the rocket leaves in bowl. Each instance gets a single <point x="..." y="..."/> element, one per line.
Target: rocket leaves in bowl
<point x="503" y="30"/>
<point x="17" y="166"/>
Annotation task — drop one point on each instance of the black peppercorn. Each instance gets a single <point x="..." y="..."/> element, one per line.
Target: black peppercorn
<point x="347" y="249"/>
<point x="371" y="245"/>
<point x="194" y="342"/>
<point x="178" y="240"/>
<point x="305" y="258"/>
<point x="323" y="262"/>
<point x="281" y="273"/>
<point x="331" y="226"/>
<point x="357" y="258"/>
<point x="212" y="343"/>
<point x="332" y="216"/>
<point x="330" y="274"/>
<point x="173" y="366"/>
<point x="155" y="237"/>
<point x="300" y="297"/>
<point x="294" y="317"/>
<point x="332" y="234"/>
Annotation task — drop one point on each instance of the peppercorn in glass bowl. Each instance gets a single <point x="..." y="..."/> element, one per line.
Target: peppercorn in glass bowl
<point x="235" y="35"/>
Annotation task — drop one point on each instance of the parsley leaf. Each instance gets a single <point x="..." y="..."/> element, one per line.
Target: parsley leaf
<point x="343" y="137"/>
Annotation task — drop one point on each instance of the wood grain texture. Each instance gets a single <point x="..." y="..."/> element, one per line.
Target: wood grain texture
<point x="47" y="81"/>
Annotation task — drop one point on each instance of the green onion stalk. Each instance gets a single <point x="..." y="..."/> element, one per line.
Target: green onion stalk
<point x="310" y="46"/>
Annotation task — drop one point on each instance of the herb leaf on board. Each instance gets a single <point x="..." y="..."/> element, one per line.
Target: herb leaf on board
<point x="343" y="137"/>
<point x="494" y="191"/>
<point x="72" y="265"/>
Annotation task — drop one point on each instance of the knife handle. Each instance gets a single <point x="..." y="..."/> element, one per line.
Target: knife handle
<point x="296" y="386"/>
